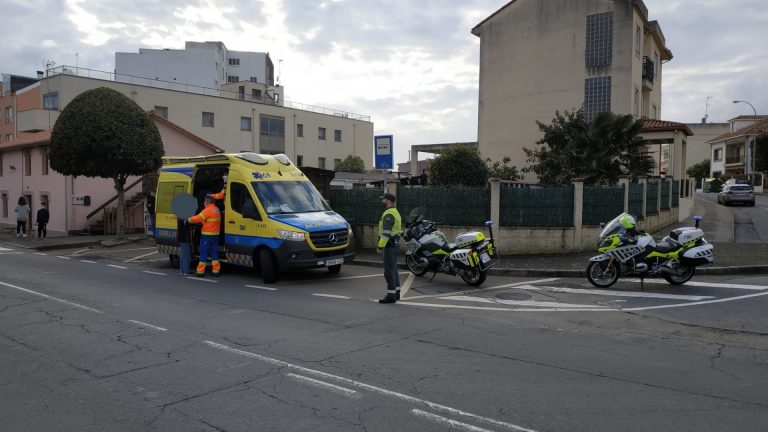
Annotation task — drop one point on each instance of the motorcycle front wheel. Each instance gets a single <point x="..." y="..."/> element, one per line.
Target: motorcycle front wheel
<point x="414" y="266"/>
<point x="603" y="274"/>
<point x="474" y="277"/>
<point x="682" y="274"/>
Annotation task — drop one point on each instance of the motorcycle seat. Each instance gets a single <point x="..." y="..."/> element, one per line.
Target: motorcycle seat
<point x="665" y="246"/>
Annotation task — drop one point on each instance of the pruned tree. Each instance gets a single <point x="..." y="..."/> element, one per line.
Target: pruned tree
<point x="502" y="170"/>
<point x="103" y="133"/>
<point x="351" y="163"/>
<point x="599" y="151"/>
<point x="699" y="170"/>
<point x="458" y="165"/>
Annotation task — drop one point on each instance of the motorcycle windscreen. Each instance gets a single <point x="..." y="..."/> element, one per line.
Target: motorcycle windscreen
<point x="416" y="215"/>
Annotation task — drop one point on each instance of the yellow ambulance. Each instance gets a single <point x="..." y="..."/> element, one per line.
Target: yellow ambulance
<point x="273" y="218"/>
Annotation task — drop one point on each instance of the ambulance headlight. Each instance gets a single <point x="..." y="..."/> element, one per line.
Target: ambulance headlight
<point x="291" y="235"/>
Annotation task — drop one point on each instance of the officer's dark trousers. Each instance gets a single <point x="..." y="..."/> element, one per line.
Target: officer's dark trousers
<point x="390" y="267"/>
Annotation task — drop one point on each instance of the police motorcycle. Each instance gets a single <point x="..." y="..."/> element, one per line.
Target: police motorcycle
<point x="427" y="249"/>
<point x="626" y="251"/>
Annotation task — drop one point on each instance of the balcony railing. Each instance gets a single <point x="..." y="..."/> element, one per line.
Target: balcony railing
<point x="649" y="69"/>
<point x="734" y="160"/>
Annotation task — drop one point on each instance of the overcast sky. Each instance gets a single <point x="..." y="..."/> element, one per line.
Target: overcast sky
<point x="411" y="65"/>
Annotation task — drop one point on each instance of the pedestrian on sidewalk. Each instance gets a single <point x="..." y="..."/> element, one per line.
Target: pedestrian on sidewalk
<point x="390" y="228"/>
<point x="210" y="218"/>
<point x="22" y="217"/>
<point x="184" y="238"/>
<point x="43" y="216"/>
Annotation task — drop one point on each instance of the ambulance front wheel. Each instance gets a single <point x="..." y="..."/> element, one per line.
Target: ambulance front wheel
<point x="175" y="262"/>
<point x="334" y="269"/>
<point x="268" y="266"/>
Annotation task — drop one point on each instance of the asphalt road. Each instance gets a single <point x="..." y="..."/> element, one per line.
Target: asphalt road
<point x="117" y="340"/>
<point x="735" y="223"/>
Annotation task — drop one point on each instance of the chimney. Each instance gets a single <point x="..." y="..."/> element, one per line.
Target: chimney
<point x="703" y="120"/>
<point x="40" y="74"/>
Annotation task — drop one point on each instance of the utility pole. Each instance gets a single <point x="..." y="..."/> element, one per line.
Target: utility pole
<point x="754" y="141"/>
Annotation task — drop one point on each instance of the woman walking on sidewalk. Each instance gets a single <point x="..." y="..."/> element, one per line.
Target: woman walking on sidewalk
<point x="22" y="216"/>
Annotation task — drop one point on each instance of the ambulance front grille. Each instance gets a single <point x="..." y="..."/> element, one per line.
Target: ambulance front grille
<point x="328" y="239"/>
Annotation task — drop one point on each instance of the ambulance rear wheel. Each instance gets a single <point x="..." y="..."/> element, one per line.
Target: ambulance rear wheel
<point x="334" y="269"/>
<point x="268" y="266"/>
<point x="175" y="262"/>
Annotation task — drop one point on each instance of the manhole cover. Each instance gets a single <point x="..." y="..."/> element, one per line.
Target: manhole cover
<point x="513" y="296"/>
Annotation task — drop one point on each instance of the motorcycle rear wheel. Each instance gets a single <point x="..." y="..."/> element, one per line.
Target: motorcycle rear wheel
<point x="414" y="266"/>
<point x="682" y="274"/>
<point x="474" y="277"/>
<point x="602" y="274"/>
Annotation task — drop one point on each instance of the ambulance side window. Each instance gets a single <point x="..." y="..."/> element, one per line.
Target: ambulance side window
<point x="241" y="201"/>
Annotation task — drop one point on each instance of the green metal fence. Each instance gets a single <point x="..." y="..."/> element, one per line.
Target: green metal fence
<point x="636" y="200"/>
<point x="359" y="205"/>
<point x="537" y="207"/>
<point x="465" y="206"/>
<point x="676" y="193"/>
<point x="665" y="186"/>
<point x="651" y="198"/>
<point x="601" y="204"/>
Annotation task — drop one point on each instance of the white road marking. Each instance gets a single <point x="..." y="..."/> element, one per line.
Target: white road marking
<point x="368" y="387"/>
<point x="117" y="267"/>
<point x="262" y="287"/>
<point x="614" y="293"/>
<point x="499" y="309"/>
<point x="143" y="324"/>
<point x="40" y="253"/>
<point x="529" y="303"/>
<point x="324" y="385"/>
<point x="448" y="423"/>
<point x="155" y="260"/>
<point x="11" y="253"/>
<point x="201" y="279"/>
<point x="722" y="300"/>
<point x="118" y="250"/>
<point x="407" y="285"/>
<point x="4" y="249"/>
<point x="50" y="297"/>
<point x="154" y="273"/>
<point x="89" y="262"/>
<point x="81" y="250"/>
<point x="140" y="256"/>
<point x="706" y="284"/>
<point x="332" y="296"/>
<point x="479" y="290"/>
<point x="63" y="257"/>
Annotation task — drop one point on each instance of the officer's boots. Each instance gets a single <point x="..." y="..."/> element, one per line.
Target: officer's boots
<point x="390" y="298"/>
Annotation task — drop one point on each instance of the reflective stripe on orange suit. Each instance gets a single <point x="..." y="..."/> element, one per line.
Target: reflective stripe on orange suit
<point x="210" y="217"/>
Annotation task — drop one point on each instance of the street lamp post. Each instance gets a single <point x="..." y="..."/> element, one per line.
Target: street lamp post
<point x="754" y="139"/>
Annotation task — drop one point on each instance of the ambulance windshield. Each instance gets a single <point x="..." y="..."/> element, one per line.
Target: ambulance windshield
<point x="289" y="197"/>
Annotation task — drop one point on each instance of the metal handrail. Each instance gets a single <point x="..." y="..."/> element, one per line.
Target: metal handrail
<point x="114" y="198"/>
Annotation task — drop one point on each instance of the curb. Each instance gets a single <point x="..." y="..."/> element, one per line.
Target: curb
<point x="712" y="271"/>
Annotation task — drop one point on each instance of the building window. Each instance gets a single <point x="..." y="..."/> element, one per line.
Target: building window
<point x="299" y="160"/>
<point x="44" y="160"/>
<point x="51" y="101"/>
<point x="271" y="134"/>
<point x="233" y="78"/>
<point x="161" y="111"/>
<point x="599" y="50"/>
<point x="27" y="163"/>
<point x="597" y="96"/>
<point x="321" y="133"/>
<point x="718" y="157"/>
<point x="207" y="119"/>
<point x="234" y="62"/>
<point x="638" y="40"/>
<point x="256" y="94"/>
<point x="337" y="135"/>
<point x="254" y="79"/>
<point x="300" y="130"/>
<point x="9" y="114"/>
<point x="637" y="102"/>
<point x="336" y="163"/>
<point x="321" y="162"/>
<point x="9" y="137"/>
<point x="245" y="123"/>
<point x="4" y="198"/>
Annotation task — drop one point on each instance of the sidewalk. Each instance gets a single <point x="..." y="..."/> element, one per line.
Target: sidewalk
<point x="54" y="243"/>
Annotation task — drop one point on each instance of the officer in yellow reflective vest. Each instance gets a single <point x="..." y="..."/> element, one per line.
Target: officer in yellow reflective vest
<point x="390" y="228"/>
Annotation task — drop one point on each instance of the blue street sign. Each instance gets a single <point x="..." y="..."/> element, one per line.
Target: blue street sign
<point x="383" y="150"/>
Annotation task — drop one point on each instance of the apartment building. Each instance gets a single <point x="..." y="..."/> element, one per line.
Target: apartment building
<point x="311" y="136"/>
<point x="9" y="86"/>
<point x="540" y="56"/>
<point x="732" y="151"/>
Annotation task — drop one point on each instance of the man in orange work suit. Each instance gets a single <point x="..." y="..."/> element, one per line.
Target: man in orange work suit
<point x="210" y="218"/>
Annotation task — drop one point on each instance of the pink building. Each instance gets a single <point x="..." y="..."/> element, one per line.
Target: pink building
<point x="78" y="203"/>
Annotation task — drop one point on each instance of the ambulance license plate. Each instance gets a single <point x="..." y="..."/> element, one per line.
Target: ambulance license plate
<point x="484" y="257"/>
<point x="332" y="262"/>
